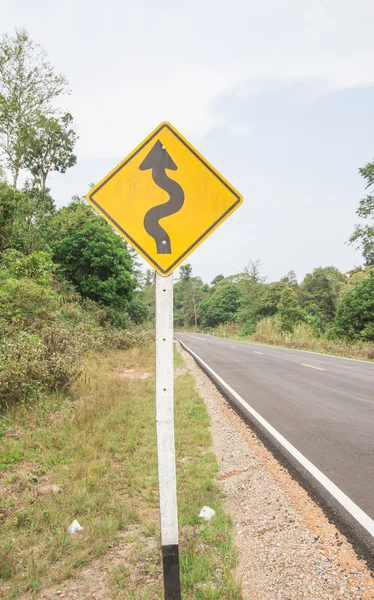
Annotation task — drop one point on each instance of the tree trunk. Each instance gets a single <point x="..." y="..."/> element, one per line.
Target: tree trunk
<point x="15" y="176"/>
<point x="194" y="306"/>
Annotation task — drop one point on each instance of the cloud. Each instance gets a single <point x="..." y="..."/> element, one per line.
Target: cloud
<point x="152" y="62"/>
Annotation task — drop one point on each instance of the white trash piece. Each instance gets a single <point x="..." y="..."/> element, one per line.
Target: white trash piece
<point x="74" y="527"/>
<point x="207" y="513"/>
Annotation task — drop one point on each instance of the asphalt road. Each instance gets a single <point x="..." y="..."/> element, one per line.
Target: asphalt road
<point x="323" y="405"/>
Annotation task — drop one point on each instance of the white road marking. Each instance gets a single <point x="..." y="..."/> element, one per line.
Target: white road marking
<point x="355" y="511"/>
<point x="254" y="352"/>
<point x="313" y="367"/>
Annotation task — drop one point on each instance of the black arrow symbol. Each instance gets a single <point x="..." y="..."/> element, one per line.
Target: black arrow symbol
<point x="159" y="160"/>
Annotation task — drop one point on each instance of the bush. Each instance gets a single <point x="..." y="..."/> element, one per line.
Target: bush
<point x="45" y="334"/>
<point x="37" y="266"/>
<point x="32" y="364"/>
<point x="25" y="303"/>
<point x="124" y="339"/>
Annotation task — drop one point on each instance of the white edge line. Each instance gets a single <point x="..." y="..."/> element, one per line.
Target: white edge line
<point x="354" y="510"/>
<point x="367" y="362"/>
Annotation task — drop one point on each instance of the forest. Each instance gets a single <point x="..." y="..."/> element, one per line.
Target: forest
<point x="70" y="285"/>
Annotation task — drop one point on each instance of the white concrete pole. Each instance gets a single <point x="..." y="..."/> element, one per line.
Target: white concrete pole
<point x="165" y="436"/>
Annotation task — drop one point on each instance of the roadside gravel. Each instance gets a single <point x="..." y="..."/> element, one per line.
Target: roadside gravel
<point x="287" y="548"/>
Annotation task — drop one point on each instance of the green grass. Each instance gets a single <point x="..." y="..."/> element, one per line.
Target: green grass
<point x="98" y="445"/>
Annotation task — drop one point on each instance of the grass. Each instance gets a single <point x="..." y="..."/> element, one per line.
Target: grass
<point x="98" y="446"/>
<point x="270" y="334"/>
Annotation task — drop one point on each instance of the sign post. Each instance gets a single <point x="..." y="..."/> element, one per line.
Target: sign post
<point x="165" y="436"/>
<point x="191" y="203"/>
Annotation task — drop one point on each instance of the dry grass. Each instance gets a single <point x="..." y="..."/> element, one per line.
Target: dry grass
<point x="98" y="447"/>
<point x="269" y="332"/>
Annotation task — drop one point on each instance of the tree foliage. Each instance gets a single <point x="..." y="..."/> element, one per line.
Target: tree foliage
<point x="222" y="305"/>
<point x="24" y="218"/>
<point x="289" y="311"/>
<point x="363" y="234"/>
<point x="50" y="144"/>
<point x="28" y="87"/>
<point x="96" y="261"/>
<point x="188" y="294"/>
<point x="355" y="312"/>
<point x="319" y="292"/>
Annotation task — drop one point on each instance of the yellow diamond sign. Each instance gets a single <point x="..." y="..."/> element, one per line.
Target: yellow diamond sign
<point x="164" y="198"/>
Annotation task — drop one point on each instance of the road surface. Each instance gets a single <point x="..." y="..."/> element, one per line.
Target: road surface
<point x="323" y="405"/>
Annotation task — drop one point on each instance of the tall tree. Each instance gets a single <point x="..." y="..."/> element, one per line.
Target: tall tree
<point x="28" y="87"/>
<point x="289" y="311"/>
<point x="363" y="235"/>
<point x="222" y="305"/>
<point x="147" y="292"/>
<point x="355" y="312"/>
<point x="253" y="287"/>
<point x="290" y="280"/>
<point x="185" y="272"/>
<point x="50" y="143"/>
<point x="319" y="291"/>
<point x="188" y="293"/>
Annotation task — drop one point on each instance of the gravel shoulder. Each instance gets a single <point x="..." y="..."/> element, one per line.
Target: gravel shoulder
<point x="287" y="548"/>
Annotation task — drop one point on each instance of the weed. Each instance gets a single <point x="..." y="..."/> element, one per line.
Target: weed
<point x="100" y="448"/>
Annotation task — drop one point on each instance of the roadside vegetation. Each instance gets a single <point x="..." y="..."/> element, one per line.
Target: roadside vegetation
<point x="328" y="311"/>
<point x="77" y="427"/>
<point x="69" y="285"/>
<point x="90" y="455"/>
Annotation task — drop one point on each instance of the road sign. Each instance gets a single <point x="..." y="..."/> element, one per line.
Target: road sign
<point x="164" y="198"/>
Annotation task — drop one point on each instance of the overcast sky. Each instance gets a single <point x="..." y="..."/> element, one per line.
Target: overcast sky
<point x="278" y="95"/>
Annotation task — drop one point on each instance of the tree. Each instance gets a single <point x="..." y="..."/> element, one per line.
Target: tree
<point x="319" y="291"/>
<point x="290" y="280"/>
<point x="147" y="292"/>
<point x="50" y="143"/>
<point x="94" y="259"/>
<point x="289" y="310"/>
<point x="222" y="306"/>
<point x="24" y="218"/>
<point x="270" y="298"/>
<point x="28" y="87"/>
<point x="354" y="317"/>
<point x="363" y="235"/>
<point x="73" y="216"/>
<point x="217" y="280"/>
<point x="188" y="293"/>
<point x="252" y="284"/>
<point x="9" y="200"/>
<point x="185" y="272"/>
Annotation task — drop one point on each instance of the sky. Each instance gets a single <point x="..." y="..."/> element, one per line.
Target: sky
<point x="278" y="95"/>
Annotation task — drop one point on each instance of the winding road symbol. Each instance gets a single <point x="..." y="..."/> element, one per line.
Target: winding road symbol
<point x="159" y="160"/>
<point x="164" y="215"/>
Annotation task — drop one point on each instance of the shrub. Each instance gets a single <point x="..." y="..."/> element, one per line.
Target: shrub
<point x="44" y="336"/>
<point x="25" y="303"/>
<point x="37" y="266"/>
